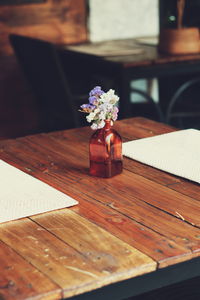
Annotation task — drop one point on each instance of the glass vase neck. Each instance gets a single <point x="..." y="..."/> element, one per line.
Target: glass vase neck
<point x="108" y="124"/>
<point x="105" y="152"/>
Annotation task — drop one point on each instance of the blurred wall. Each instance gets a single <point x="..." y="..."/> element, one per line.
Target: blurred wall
<point x="59" y="21"/>
<point x="116" y="19"/>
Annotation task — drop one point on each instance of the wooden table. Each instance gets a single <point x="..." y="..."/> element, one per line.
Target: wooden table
<point x="129" y="234"/>
<point x="118" y="62"/>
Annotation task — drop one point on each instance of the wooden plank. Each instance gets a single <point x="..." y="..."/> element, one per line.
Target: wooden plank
<point x="114" y="217"/>
<point x="20" y="280"/>
<point x="154" y="244"/>
<point x="53" y="171"/>
<point x="114" y="259"/>
<point x="142" y="128"/>
<point x="89" y="258"/>
<point x="131" y="129"/>
<point x="175" y="208"/>
<point x="161" y="245"/>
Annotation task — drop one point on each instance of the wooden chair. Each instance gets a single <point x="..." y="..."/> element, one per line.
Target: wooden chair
<point x="57" y="107"/>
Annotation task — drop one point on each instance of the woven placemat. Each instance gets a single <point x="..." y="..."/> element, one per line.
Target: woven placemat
<point x="176" y="152"/>
<point x="23" y="195"/>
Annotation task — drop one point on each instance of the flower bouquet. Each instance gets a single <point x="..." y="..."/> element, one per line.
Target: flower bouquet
<point x="105" y="148"/>
<point x="101" y="107"/>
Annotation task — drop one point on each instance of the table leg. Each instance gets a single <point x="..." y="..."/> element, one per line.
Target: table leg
<point x="123" y="90"/>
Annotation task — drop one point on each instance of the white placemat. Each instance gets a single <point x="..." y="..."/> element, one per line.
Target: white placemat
<point x="177" y="152"/>
<point x="22" y="195"/>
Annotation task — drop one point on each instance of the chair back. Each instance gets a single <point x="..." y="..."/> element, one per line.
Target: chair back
<point x="43" y="70"/>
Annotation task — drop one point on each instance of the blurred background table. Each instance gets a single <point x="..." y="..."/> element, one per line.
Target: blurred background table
<point x="116" y="63"/>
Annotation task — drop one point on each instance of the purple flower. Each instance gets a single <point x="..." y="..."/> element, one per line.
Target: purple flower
<point x="87" y="107"/>
<point x="115" y="113"/>
<point x="96" y="91"/>
<point x="93" y="100"/>
<point x="101" y="107"/>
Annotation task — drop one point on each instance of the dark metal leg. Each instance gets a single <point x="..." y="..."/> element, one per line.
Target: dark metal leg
<point x="123" y="90"/>
<point x="152" y="102"/>
<point x="178" y="94"/>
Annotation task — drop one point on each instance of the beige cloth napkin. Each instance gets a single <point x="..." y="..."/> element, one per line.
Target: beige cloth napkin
<point x="177" y="152"/>
<point x="22" y="195"/>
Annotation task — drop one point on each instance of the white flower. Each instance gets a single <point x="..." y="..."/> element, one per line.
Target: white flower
<point x="90" y="117"/>
<point x="103" y="109"/>
<point x="94" y="126"/>
<point x="106" y="107"/>
<point x="97" y="110"/>
<point x="102" y="115"/>
<point x="109" y="97"/>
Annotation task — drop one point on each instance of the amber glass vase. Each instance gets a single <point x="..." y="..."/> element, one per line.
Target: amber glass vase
<point x="105" y="152"/>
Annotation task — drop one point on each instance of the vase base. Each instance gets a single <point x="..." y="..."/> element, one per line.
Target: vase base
<point x="105" y="170"/>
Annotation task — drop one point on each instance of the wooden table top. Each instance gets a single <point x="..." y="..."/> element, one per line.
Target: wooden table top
<point x="129" y="53"/>
<point x="135" y="223"/>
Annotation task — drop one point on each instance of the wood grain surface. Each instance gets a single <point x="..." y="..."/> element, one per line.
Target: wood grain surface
<point x="125" y="226"/>
<point x="20" y="280"/>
